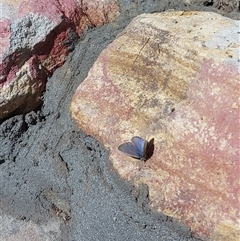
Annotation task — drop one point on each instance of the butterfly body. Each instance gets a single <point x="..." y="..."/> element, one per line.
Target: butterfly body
<point x="137" y="148"/>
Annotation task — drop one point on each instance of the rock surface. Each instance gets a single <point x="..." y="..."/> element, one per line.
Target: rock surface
<point x="46" y="166"/>
<point x="173" y="77"/>
<point x="36" y="37"/>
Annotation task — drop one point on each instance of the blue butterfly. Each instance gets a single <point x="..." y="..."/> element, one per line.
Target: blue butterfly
<point x="138" y="148"/>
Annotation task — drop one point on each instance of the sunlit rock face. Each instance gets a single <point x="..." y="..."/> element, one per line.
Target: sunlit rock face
<point x="173" y="77"/>
<point x="35" y="39"/>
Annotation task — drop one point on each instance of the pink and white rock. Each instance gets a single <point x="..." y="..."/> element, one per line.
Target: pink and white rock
<point x="37" y="35"/>
<point x="174" y="77"/>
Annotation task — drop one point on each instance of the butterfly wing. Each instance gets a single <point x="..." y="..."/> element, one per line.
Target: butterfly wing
<point x="129" y="149"/>
<point x="141" y="146"/>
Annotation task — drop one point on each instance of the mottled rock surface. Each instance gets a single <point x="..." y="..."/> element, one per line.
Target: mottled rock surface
<point x="35" y="39"/>
<point x="47" y="166"/>
<point x="174" y="77"/>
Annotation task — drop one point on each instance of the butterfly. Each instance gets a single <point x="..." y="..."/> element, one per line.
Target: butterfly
<point x="138" y="148"/>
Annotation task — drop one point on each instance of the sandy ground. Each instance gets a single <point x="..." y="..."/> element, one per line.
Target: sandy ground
<point x="52" y="171"/>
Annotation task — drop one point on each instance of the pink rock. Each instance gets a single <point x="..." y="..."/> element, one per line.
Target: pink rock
<point x="4" y="35"/>
<point x="174" y="77"/>
<point x="24" y="93"/>
<point x="40" y="31"/>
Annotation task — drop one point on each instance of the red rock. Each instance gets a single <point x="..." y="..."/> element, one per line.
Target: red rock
<point x="40" y="31"/>
<point x="174" y="77"/>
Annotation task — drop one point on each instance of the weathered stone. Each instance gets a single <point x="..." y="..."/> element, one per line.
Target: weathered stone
<point x="24" y="93"/>
<point x="22" y="230"/>
<point x="174" y="77"/>
<point x="43" y="31"/>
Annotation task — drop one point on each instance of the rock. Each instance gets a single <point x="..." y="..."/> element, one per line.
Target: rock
<point x="36" y="37"/>
<point x="23" y="230"/>
<point x="173" y="77"/>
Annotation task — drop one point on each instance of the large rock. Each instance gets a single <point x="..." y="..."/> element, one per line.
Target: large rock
<point x="35" y="39"/>
<point x="173" y="77"/>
